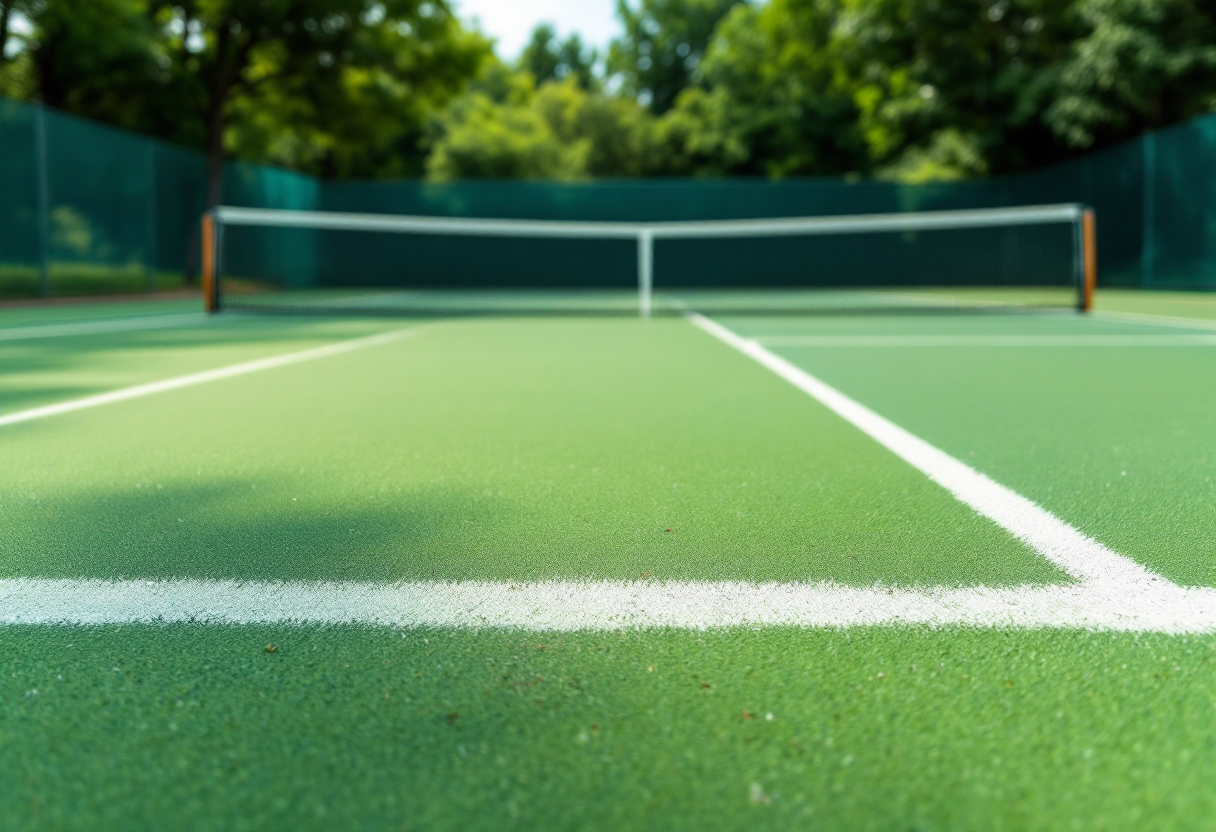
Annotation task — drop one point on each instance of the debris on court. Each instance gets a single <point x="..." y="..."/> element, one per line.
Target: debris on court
<point x="757" y="794"/>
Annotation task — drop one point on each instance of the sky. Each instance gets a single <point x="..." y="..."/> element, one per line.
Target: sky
<point x="512" y="21"/>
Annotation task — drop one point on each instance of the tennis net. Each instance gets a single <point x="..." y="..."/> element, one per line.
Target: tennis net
<point x="1036" y="257"/>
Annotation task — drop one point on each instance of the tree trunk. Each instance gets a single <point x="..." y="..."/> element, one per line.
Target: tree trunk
<point x="5" y="15"/>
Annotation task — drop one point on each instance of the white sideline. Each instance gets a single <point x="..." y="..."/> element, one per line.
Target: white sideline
<point x="1081" y="557"/>
<point x="179" y="382"/>
<point x="24" y="333"/>
<point x="850" y="341"/>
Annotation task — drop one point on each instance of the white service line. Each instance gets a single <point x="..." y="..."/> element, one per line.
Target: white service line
<point x="598" y="605"/>
<point x="1153" y="320"/>
<point x="901" y="341"/>
<point x="25" y="333"/>
<point x="245" y="368"/>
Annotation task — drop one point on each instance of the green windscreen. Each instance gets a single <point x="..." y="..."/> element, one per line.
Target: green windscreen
<point x="87" y="209"/>
<point x="20" y="214"/>
<point x="90" y="209"/>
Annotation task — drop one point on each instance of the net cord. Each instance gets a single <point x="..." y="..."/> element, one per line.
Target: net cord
<point x="845" y="224"/>
<point x="646" y="233"/>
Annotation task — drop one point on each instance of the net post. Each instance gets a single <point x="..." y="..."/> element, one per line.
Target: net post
<point x="1089" y="259"/>
<point x="210" y="283"/>
<point x="645" y="271"/>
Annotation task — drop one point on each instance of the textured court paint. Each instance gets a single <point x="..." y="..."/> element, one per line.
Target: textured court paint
<point x="200" y="728"/>
<point x="966" y="341"/>
<point x="1081" y="557"/>
<point x="27" y="333"/>
<point x="564" y="606"/>
<point x="45" y="371"/>
<point x="1118" y="443"/>
<point x="957" y="728"/>
<point x="1148" y="305"/>
<point x="219" y="374"/>
<point x="1144" y="319"/>
<point x="490" y="450"/>
<point x="24" y="313"/>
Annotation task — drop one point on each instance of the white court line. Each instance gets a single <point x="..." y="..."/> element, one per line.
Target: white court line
<point x="850" y="341"/>
<point x="178" y="383"/>
<point x="1152" y="320"/>
<point x="1110" y="593"/>
<point x="600" y="605"/>
<point x="25" y="333"/>
<point x="1081" y="557"/>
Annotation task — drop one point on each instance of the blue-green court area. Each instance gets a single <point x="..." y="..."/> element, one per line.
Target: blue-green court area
<point x="546" y="453"/>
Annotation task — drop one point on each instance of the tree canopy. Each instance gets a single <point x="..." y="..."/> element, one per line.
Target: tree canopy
<point x="913" y="90"/>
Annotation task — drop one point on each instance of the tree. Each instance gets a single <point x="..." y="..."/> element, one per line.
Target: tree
<point x="550" y="59"/>
<point x="16" y="72"/>
<point x="364" y="113"/>
<point x="959" y="88"/>
<point x="506" y="127"/>
<point x="1141" y="65"/>
<point x="661" y="50"/>
<point x="108" y="78"/>
<point x="772" y="99"/>
<point x="328" y="80"/>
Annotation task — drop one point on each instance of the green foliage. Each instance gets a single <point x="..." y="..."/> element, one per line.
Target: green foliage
<point x="661" y="50"/>
<point x="507" y="127"/>
<point x="1142" y="64"/>
<point x="330" y="86"/>
<point x="108" y="78"/>
<point x="971" y="74"/>
<point x="550" y="59"/>
<point x="17" y="79"/>
<point x="923" y="91"/>
<point x="950" y="155"/>
<point x="358" y="110"/>
<point x="914" y="90"/>
<point x="774" y="98"/>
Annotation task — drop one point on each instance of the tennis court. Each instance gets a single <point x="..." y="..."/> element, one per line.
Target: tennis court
<point x="916" y="571"/>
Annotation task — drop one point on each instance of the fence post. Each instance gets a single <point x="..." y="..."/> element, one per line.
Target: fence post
<point x="150" y="215"/>
<point x="44" y="201"/>
<point x="1148" y="210"/>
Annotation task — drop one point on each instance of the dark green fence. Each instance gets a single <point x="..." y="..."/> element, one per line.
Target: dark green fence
<point x="87" y="209"/>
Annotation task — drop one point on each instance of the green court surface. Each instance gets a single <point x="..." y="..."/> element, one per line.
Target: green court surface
<point x="566" y="572"/>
